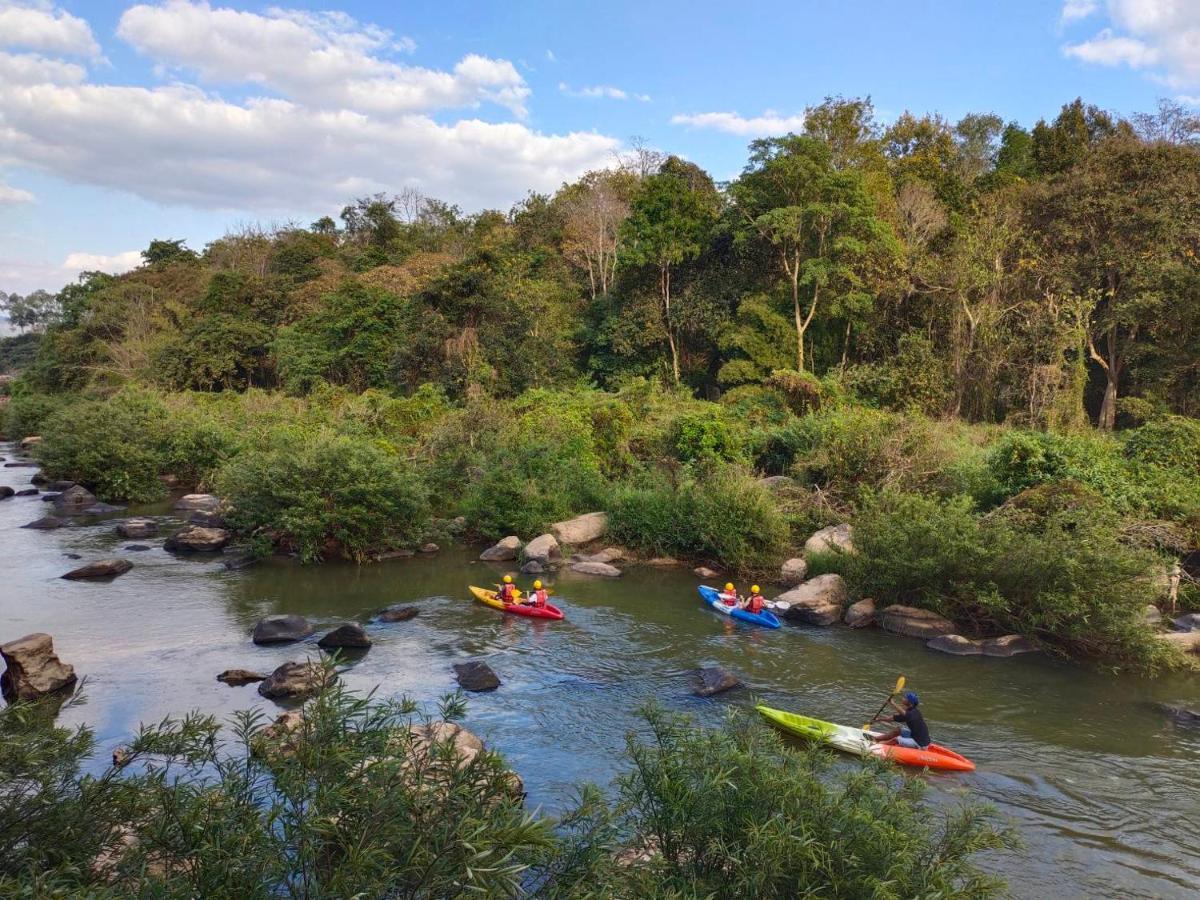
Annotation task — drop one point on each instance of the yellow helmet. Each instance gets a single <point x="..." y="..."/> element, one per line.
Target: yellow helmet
<point x="508" y="579"/>
<point x="729" y="586"/>
<point x="754" y="589"/>
<point x="537" y="585"/>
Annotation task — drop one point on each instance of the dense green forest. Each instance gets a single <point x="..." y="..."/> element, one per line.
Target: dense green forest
<point x="978" y="343"/>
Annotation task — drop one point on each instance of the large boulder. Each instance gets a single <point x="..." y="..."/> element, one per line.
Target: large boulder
<point x="397" y="614"/>
<point x="293" y="681"/>
<point x="715" y="680"/>
<point x="239" y="677"/>
<point x="912" y="622"/>
<point x="27" y="492"/>
<point x="955" y="645"/>
<point x="350" y="636"/>
<point x="596" y="568"/>
<point x="198" y="539"/>
<point x="704" y="573"/>
<point x="792" y="572"/>
<point x="816" y="602"/>
<point x="46" y="523"/>
<point x="205" y="502"/>
<point x="1190" y="622"/>
<point x="28" y="443"/>
<point x="101" y="568"/>
<point x="476" y="676"/>
<point x="285" y="629"/>
<point x="73" y="501"/>
<point x="6" y="492"/>
<point x="607" y="555"/>
<point x="56" y="486"/>
<point x="137" y="528"/>
<point x="542" y="549"/>
<point x="834" y="539"/>
<point x="206" y="518"/>
<point x="1181" y="715"/>
<point x="32" y="669"/>
<point x="502" y="551"/>
<point x="1187" y="641"/>
<point x="861" y="614"/>
<point x="463" y="746"/>
<point x="1008" y="645"/>
<point x="581" y="529"/>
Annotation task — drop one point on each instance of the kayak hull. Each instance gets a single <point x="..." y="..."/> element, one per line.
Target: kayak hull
<point x="856" y="741"/>
<point x="488" y="598"/>
<point x="711" y="596"/>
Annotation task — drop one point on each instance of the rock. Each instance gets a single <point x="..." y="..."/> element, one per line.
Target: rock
<point x="136" y="548"/>
<point x="542" y="549"/>
<point x="861" y="614"/>
<point x="1008" y="645"/>
<point x="45" y="523"/>
<point x="607" y="555"/>
<point x="596" y="568"/>
<point x="30" y="442"/>
<point x="102" y="568"/>
<point x="102" y="509"/>
<point x="1190" y="622"/>
<point x="430" y="547"/>
<point x="283" y="629"/>
<point x="49" y="498"/>
<point x="581" y="529"/>
<point x="56" y="486"/>
<point x="73" y="501"/>
<point x="72" y="556"/>
<point x="1187" y="641"/>
<point x="397" y="614"/>
<point x="402" y="553"/>
<point x="792" y="572"/>
<point x="121" y="757"/>
<point x="715" y="680"/>
<point x="206" y="519"/>
<point x="533" y="567"/>
<point x="38" y="478"/>
<point x="503" y="551"/>
<point x="239" y="677"/>
<point x="137" y="528"/>
<point x="198" y="539"/>
<point x="350" y="636"/>
<point x="463" y="747"/>
<point x="6" y="492"/>
<point x="664" y="562"/>
<point x="293" y="681"/>
<point x="912" y="622"/>
<point x="20" y="465"/>
<point x="33" y="669"/>
<point x="955" y="644"/>
<point x="704" y="572"/>
<point x="833" y="539"/>
<point x="816" y="602"/>
<point x="243" y="561"/>
<point x="1151" y="615"/>
<point x="203" y="502"/>
<point x="1181" y="715"/>
<point x="28" y="492"/>
<point x="776" y="482"/>
<point x="476" y="676"/>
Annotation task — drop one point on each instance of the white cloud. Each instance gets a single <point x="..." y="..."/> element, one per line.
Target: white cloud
<point x="1189" y="99"/>
<point x="550" y="57"/>
<point x="769" y="123"/>
<point x="29" y="68"/>
<point x="1074" y="10"/>
<point x="601" y="91"/>
<point x="114" y="264"/>
<point x="11" y="196"/>
<point x="1162" y="36"/>
<point x="38" y="26"/>
<point x="319" y="59"/>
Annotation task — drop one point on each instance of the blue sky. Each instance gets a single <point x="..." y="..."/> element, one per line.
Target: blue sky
<point x="123" y="121"/>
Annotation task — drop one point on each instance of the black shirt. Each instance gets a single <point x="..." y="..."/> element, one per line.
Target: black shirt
<point x="916" y="724"/>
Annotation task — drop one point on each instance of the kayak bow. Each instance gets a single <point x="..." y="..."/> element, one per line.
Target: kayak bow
<point x="712" y="597"/>
<point x="488" y="598"/>
<point x="853" y="740"/>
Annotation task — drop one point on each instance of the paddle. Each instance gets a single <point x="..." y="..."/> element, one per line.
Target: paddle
<point x="899" y="687"/>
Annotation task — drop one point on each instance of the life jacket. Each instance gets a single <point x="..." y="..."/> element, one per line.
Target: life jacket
<point x="507" y="592"/>
<point x="756" y="604"/>
<point x="540" y="598"/>
<point x="727" y="599"/>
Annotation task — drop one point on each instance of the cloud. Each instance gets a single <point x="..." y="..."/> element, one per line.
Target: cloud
<point x="114" y="264"/>
<point x="11" y="196"/>
<point x="38" y="26"/>
<point x="318" y="59"/>
<point x="1162" y="36"/>
<point x="20" y="276"/>
<point x="601" y="91"/>
<point x="1074" y="10"/>
<point x="769" y="123"/>
<point x="550" y="57"/>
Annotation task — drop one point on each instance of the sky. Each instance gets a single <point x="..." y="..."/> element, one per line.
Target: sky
<point x="122" y="122"/>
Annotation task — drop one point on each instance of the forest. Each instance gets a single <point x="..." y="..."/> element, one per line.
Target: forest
<point x="977" y="342"/>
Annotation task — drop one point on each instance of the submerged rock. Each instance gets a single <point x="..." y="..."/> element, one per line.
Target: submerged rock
<point x="33" y="669"/>
<point x="1181" y="715"/>
<point x="46" y="523"/>
<point x="476" y="676"/>
<point x="816" y="602"/>
<point x="293" y="681"/>
<point x="861" y="614"/>
<point x="28" y="492"/>
<point x="715" y="680"/>
<point x="955" y="645"/>
<point x="705" y="573"/>
<point x="137" y="528"/>
<point x="604" y="570"/>
<point x="102" y="568"/>
<point x="1008" y="645"/>
<point x="833" y="539"/>
<point x="283" y="629"/>
<point x="533" y="567"/>
<point x="239" y="677"/>
<point x="912" y="622"/>
<point x="137" y="548"/>
<point x="350" y="636"/>
<point x="397" y="614"/>
<point x="198" y="539"/>
<point x="502" y="551"/>
<point x="102" y="509"/>
<point x="581" y="529"/>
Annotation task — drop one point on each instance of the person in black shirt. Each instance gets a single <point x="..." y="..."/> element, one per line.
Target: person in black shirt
<point x="914" y="733"/>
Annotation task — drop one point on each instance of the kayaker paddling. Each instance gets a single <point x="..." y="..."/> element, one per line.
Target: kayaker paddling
<point x="539" y="598"/>
<point x="508" y="591"/>
<point x="913" y="732"/>
<point x="729" y="596"/>
<point x="756" y="602"/>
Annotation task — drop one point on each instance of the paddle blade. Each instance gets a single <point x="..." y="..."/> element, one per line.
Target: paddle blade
<point x="899" y="685"/>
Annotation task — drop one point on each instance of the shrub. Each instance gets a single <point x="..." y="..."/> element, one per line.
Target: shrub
<point x="917" y="379"/>
<point x="26" y="411"/>
<point x="320" y="492"/>
<point x="706" y="435"/>
<point x="1171" y="443"/>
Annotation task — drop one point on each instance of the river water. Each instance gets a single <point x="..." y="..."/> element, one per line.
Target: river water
<point x="1104" y="790"/>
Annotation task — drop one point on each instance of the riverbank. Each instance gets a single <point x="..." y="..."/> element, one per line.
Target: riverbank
<point x="1104" y="799"/>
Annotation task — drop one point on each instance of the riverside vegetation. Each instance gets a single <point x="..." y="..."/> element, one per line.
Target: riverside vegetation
<point x="977" y="343"/>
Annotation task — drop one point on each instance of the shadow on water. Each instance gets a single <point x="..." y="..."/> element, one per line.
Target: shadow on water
<point x="1102" y="785"/>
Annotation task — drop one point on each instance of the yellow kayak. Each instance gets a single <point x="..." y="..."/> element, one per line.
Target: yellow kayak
<point x="489" y="598"/>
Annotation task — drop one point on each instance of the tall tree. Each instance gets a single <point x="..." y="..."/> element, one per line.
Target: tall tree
<point x="593" y="210"/>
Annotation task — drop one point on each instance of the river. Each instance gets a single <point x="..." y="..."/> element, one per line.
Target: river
<point x="1104" y="790"/>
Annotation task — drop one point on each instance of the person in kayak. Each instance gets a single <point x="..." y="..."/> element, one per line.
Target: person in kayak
<point x="728" y="596"/>
<point x="913" y="732"/>
<point x="756" y="602"/>
<point x="508" y="590"/>
<point x="539" y="598"/>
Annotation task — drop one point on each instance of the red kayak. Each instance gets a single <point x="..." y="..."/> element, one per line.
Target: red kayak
<point x="488" y="598"/>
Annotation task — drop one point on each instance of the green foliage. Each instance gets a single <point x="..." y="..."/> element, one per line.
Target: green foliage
<point x="707" y="435"/>
<point x="720" y="514"/>
<point x="321" y="493"/>
<point x="218" y="352"/>
<point x="18" y="351"/>
<point x="916" y="379"/>
<point x="1171" y="443"/>
<point x="26" y="410"/>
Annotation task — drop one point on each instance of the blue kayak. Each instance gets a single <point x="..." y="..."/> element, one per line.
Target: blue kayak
<point x="712" y="597"/>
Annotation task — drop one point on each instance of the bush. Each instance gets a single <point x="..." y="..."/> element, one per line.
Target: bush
<point x="721" y="514"/>
<point x="319" y="493"/>
<point x="706" y="435"/>
<point x="26" y="411"/>
<point x="917" y="379"/>
<point x="1170" y="443"/>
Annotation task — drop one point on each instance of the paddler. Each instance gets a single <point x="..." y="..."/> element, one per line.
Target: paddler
<point x="539" y="598"/>
<point x="728" y="596"/>
<point x="913" y="733"/>
<point x="508" y="591"/>
<point x="756" y="602"/>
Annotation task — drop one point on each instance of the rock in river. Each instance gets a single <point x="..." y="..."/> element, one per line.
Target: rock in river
<point x="397" y="614"/>
<point x="502" y="551"/>
<point x="350" y="636"/>
<point x="6" y="492"/>
<point x="542" y="549"/>
<point x="715" y="680"/>
<point x="704" y="573"/>
<point x="955" y="645"/>
<point x="73" y="501"/>
<point x="1190" y="622"/>
<point x="28" y="492"/>
<point x="1181" y="715"/>
<point x="32" y="668"/>
<point x="581" y="529"/>
<point x="283" y="629"/>
<point x="912" y="622"/>
<point x="239" y="677"/>
<point x="861" y="614"/>
<point x="476" y="676"/>
<point x="46" y="523"/>
<point x="206" y="518"/>
<point x="206" y="502"/>
<point x="596" y="568"/>
<point x="102" y="568"/>
<point x="1008" y="645"/>
<point x="198" y="539"/>
<point x="816" y="602"/>
<point x="293" y="681"/>
<point x="792" y="572"/>
<point x="137" y="528"/>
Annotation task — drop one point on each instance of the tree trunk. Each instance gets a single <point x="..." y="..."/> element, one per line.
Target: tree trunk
<point x="1112" y="374"/>
<point x="665" y="284"/>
